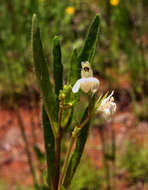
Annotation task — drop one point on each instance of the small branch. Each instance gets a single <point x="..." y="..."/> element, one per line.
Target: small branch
<point x="66" y="162"/>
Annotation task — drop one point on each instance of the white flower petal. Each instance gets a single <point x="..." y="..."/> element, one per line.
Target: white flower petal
<point x="94" y="84"/>
<point x="107" y="107"/>
<point x="76" y="86"/>
<point x="107" y="99"/>
<point x="86" y="84"/>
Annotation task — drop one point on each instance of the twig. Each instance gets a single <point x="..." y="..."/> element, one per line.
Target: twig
<point x="65" y="166"/>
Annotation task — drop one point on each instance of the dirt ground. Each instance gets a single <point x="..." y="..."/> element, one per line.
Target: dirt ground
<point x="13" y="162"/>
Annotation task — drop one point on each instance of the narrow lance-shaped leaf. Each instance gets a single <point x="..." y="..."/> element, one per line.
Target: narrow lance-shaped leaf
<point x="93" y="51"/>
<point x="42" y="74"/>
<point x="80" y="144"/>
<point x="87" y="53"/>
<point x="74" y="68"/>
<point x="76" y="156"/>
<point x="39" y="154"/>
<point x="88" y="49"/>
<point x="49" y="146"/>
<point x="73" y="77"/>
<point x="57" y="66"/>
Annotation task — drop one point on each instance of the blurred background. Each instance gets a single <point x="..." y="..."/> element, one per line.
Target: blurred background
<point x="116" y="153"/>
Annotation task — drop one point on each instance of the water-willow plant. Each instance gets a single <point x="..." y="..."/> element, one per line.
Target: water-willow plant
<point x="59" y="104"/>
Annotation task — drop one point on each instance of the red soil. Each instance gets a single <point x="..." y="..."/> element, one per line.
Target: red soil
<point x="13" y="162"/>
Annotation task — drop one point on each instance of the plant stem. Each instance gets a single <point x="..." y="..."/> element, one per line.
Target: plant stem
<point x="66" y="162"/>
<point x="58" y="146"/>
<point x="57" y="160"/>
<point x="72" y="140"/>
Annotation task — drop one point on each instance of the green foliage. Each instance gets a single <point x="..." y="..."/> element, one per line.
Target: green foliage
<point x="124" y="30"/>
<point x="85" y="54"/>
<point x="57" y="65"/>
<point x="51" y="124"/>
<point x="134" y="161"/>
<point x="89" y="47"/>
<point x="42" y="73"/>
<point x="74" y="69"/>
<point x="40" y="155"/>
<point x="86" y="177"/>
<point x="76" y="156"/>
<point x="49" y="144"/>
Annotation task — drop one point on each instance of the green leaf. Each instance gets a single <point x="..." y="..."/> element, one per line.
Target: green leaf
<point x="49" y="145"/>
<point x="63" y="188"/>
<point x="92" y="53"/>
<point x="57" y="65"/>
<point x="80" y="144"/>
<point x="40" y="155"/>
<point x="88" y="50"/>
<point x="42" y="74"/>
<point x="74" y="68"/>
<point x="87" y="53"/>
<point x="76" y="156"/>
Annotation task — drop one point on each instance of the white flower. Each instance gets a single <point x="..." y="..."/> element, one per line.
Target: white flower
<point x="87" y="82"/>
<point x="107" y="106"/>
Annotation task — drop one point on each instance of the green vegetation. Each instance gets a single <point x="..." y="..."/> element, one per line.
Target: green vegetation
<point x="52" y="48"/>
<point x="134" y="160"/>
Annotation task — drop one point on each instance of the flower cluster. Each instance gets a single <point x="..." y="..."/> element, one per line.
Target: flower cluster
<point x="107" y="106"/>
<point x="88" y="83"/>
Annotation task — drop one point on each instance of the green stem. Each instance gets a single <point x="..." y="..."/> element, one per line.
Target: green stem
<point x="57" y="160"/>
<point x="58" y="146"/>
<point x="66" y="162"/>
<point x="70" y="148"/>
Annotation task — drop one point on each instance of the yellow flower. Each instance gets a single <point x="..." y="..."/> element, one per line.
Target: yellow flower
<point x="70" y="10"/>
<point x="114" y="2"/>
